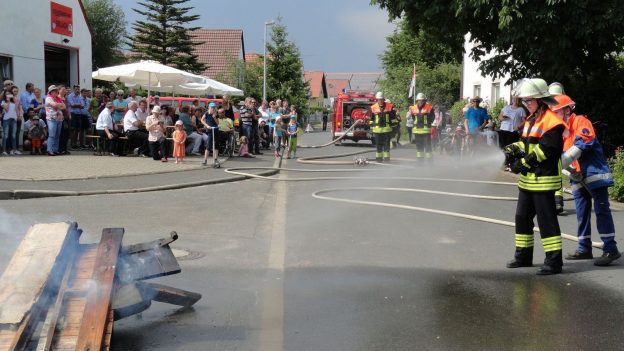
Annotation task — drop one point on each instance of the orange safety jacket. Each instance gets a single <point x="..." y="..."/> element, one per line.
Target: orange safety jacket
<point x="423" y="118"/>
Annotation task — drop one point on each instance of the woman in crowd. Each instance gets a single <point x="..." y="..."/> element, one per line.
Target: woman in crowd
<point x="38" y="103"/>
<point x="155" y="125"/>
<point x="12" y="114"/>
<point x="512" y="120"/>
<point x="54" y="118"/>
<point x="273" y="116"/>
<point x="64" y="137"/>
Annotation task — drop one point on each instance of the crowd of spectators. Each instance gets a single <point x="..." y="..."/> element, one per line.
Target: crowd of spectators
<point x="64" y="120"/>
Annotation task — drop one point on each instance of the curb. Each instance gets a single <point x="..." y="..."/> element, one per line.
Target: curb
<point x="37" y="194"/>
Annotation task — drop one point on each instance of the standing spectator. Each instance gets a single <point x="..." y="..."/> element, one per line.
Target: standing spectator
<point x="121" y="106"/>
<point x="26" y="98"/>
<point x="246" y="116"/>
<point x="512" y="119"/>
<point x="132" y="96"/>
<point x="210" y="123"/>
<point x="98" y="103"/>
<point x="179" y="138"/>
<point x="76" y="108"/>
<point x="325" y="115"/>
<point x="37" y="103"/>
<point x="167" y="113"/>
<point x="36" y="132"/>
<point x="194" y="106"/>
<point x="255" y="122"/>
<point x="134" y="128"/>
<point x="156" y="101"/>
<point x="155" y="125"/>
<point x="280" y="132"/>
<point x="65" y="127"/>
<point x="437" y="125"/>
<point x="228" y="107"/>
<point x="87" y="119"/>
<point x="273" y="116"/>
<point x="12" y="113"/>
<point x="409" y="124"/>
<point x="475" y="119"/>
<point x="142" y="112"/>
<point x="292" y="130"/>
<point x="54" y="117"/>
<point x="106" y="131"/>
<point x="264" y="111"/>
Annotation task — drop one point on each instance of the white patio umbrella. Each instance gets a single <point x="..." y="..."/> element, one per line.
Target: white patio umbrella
<point x="204" y="86"/>
<point x="146" y="73"/>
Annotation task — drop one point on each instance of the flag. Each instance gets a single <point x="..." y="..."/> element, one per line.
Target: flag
<point x="412" y="88"/>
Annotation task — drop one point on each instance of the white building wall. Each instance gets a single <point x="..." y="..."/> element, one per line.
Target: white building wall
<point x="28" y="25"/>
<point x="472" y="76"/>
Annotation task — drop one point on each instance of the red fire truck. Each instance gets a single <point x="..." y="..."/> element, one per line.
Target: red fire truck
<point x="350" y="107"/>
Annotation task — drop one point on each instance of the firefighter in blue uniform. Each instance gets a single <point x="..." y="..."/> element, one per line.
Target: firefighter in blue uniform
<point x="590" y="177"/>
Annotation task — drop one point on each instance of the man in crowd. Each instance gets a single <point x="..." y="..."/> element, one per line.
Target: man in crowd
<point x="76" y="106"/>
<point x="475" y="119"/>
<point x="135" y="131"/>
<point x="132" y="96"/>
<point x="255" y="136"/>
<point x="121" y="106"/>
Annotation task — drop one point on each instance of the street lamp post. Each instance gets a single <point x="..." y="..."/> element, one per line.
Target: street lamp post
<point x="266" y="24"/>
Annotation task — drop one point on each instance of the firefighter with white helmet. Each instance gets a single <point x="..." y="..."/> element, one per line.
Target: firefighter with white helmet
<point x="536" y="158"/>
<point x="423" y="116"/>
<point x="555" y="89"/>
<point x="382" y="121"/>
<point x="590" y="177"/>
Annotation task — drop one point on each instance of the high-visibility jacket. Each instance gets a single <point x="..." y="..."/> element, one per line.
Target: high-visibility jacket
<point x="423" y="118"/>
<point x="382" y="119"/>
<point x="542" y="141"/>
<point x="592" y="164"/>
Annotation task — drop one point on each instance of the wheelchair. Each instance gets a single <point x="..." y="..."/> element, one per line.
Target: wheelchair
<point x="227" y="143"/>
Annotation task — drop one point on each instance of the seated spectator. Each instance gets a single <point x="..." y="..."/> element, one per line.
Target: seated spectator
<point x="40" y="132"/>
<point x="195" y="136"/>
<point x="263" y="134"/>
<point x="167" y="113"/>
<point x="226" y="128"/>
<point x="135" y="131"/>
<point x="243" y="149"/>
<point x="158" y="144"/>
<point x="106" y="131"/>
<point x="142" y="112"/>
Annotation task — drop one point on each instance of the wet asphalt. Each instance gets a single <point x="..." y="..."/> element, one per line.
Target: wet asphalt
<point x="279" y="269"/>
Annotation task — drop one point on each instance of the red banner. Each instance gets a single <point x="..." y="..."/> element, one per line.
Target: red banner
<point x="61" y="19"/>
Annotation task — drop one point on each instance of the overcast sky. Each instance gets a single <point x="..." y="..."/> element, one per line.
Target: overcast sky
<point x="332" y="35"/>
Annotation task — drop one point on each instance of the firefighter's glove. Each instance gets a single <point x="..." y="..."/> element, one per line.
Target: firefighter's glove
<point x="512" y="152"/>
<point x="520" y="166"/>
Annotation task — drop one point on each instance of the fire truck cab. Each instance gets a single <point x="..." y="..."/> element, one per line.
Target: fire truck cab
<point x="350" y="107"/>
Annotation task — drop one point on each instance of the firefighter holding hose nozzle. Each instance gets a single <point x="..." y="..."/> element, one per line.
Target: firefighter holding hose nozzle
<point x="536" y="158"/>
<point x="382" y="122"/>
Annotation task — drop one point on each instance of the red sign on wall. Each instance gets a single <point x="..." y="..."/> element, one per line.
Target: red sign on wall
<point x="61" y="19"/>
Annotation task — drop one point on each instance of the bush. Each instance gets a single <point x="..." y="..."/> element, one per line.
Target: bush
<point x="617" y="169"/>
<point x="456" y="111"/>
<point x="495" y="111"/>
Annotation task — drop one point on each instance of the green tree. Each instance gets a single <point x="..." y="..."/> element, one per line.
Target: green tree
<point x="285" y="69"/>
<point x="163" y="37"/>
<point x="575" y="42"/>
<point x="437" y="67"/>
<point x="246" y="76"/>
<point x="108" y="23"/>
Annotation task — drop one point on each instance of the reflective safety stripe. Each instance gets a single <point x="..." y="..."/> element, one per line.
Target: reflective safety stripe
<point x="581" y="237"/>
<point x="597" y="177"/>
<point x="539" y="153"/>
<point x="377" y="154"/>
<point x="386" y="154"/>
<point x="524" y="240"/>
<point x="607" y="235"/>
<point x="552" y="243"/>
<point x="423" y="130"/>
<point x="559" y="192"/>
<point x="576" y="187"/>
<point x="428" y="155"/>
<point x="532" y="182"/>
<point x="419" y="154"/>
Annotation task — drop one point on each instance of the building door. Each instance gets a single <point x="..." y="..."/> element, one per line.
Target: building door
<point x="56" y="65"/>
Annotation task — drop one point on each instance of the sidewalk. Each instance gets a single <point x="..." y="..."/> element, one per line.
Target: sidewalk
<point x="84" y="174"/>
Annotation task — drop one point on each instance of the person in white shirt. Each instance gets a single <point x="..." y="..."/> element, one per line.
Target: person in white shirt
<point x="142" y="112"/>
<point x="133" y="127"/>
<point x="106" y="131"/>
<point x="132" y="96"/>
<point x="158" y="144"/>
<point x="12" y="114"/>
<point x="512" y="119"/>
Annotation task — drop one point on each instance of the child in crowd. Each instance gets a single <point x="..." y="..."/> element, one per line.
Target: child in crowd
<point x="280" y="136"/>
<point x="179" y="138"/>
<point x="292" y="130"/>
<point x="243" y="149"/>
<point x="36" y="133"/>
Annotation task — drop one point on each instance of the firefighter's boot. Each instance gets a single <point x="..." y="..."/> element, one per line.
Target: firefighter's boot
<point x="552" y="263"/>
<point x="523" y="257"/>
<point x="559" y="204"/>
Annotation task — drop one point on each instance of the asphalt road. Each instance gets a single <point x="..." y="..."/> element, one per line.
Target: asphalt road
<point x="282" y="270"/>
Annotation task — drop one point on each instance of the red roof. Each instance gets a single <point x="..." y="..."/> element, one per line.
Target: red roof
<point x="252" y="57"/>
<point x="336" y="86"/>
<point x="316" y="80"/>
<point x="219" y="47"/>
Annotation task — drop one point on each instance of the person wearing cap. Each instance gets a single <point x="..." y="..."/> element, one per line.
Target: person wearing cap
<point x="54" y="119"/>
<point x="423" y="116"/>
<point x="121" y="106"/>
<point x="381" y="123"/>
<point x="209" y="120"/>
<point x="536" y="157"/>
<point x="156" y="101"/>
<point x="104" y="127"/>
<point x="590" y="178"/>
<point x="36" y="132"/>
<point x="158" y="144"/>
<point x="475" y="119"/>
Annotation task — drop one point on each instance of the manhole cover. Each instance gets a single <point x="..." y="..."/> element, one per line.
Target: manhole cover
<point x="187" y="255"/>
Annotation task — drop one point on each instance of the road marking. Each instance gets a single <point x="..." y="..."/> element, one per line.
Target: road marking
<point x="272" y="316"/>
